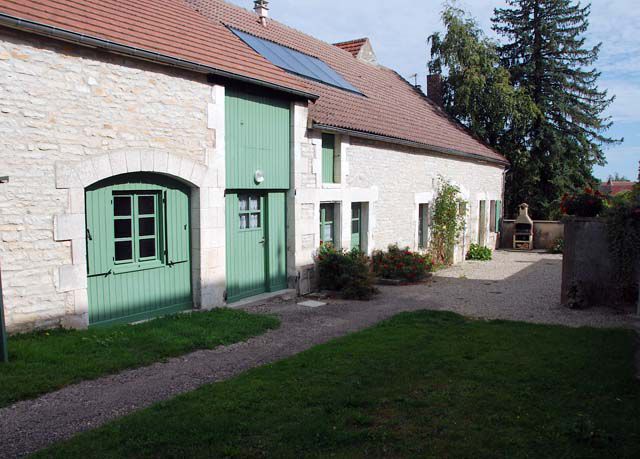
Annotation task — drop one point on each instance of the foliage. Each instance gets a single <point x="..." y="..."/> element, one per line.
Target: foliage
<point x="447" y="222"/>
<point x="618" y="178"/>
<point x="530" y="97"/>
<point x="545" y="53"/>
<point x="558" y="246"/>
<point x="479" y="252"/>
<point x="623" y="228"/>
<point x="346" y="272"/>
<point x="403" y="264"/>
<point x="45" y="361"/>
<point x="423" y="384"/>
<point x="584" y="204"/>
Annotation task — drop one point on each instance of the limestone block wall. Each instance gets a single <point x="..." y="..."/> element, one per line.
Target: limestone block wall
<point x="70" y="117"/>
<point x="406" y="177"/>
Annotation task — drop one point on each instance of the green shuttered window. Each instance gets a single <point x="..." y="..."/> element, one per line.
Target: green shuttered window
<point x="423" y="226"/>
<point x="328" y="158"/>
<point x="356" y="225"/>
<point x="135" y="228"/>
<point x="327" y="224"/>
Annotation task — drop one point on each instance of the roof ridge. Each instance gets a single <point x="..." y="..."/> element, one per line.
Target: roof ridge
<point x="247" y="11"/>
<point x="349" y="42"/>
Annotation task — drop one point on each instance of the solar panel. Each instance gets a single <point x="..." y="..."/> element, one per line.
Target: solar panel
<point x="295" y="61"/>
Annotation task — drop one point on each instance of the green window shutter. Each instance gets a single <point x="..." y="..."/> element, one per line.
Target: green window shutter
<point x="498" y="214"/>
<point x="328" y="158"/>
<point x="99" y="231"/>
<point x="423" y="226"/>
<point x="177" y="224"/>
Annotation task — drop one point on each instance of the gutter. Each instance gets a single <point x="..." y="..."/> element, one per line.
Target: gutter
<point x="409" y="143"/>
<point x="138" y="53"/>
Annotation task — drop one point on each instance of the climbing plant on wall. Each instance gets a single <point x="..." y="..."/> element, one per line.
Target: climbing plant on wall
<point x="447" y="222"/>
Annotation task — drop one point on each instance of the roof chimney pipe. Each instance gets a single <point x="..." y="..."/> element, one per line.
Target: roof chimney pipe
<point x="261" y="7"/>
<point x="434" y="89"/>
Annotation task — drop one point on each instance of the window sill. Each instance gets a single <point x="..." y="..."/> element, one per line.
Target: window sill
<point x="132" y="267"/>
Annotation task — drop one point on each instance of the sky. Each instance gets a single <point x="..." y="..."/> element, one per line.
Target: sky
<point x="398" y="30"/>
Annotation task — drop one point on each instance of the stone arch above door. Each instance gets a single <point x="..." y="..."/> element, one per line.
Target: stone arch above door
<point x="207" y="211"/>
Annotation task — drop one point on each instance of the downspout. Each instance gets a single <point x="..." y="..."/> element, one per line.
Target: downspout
<point x="504" y="184"/>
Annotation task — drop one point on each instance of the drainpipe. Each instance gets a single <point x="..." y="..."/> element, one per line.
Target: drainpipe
<point x="4" y="350"/>
<point x="504" y="182"/>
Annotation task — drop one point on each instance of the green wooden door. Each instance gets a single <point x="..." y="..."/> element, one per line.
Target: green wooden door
<point x="356" y="225"/>
<point x="138" y="248"/>
<point x="256" y="244"/>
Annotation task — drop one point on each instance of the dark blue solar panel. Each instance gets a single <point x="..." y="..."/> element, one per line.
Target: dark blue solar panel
<point x="295" y="61"/>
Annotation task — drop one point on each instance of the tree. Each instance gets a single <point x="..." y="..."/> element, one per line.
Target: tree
<point x="546" y="56"/>
<point x="618" y="178"/>
<point x="478" y="93"/>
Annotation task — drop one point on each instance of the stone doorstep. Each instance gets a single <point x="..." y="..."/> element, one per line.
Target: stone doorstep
<point x="285" y="295"/>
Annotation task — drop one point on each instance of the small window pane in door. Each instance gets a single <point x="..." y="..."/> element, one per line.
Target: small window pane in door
<point x="243" y="203"/>
<point x="147" y="226"/>
<point x="244" y="221"/>
<point x="122" y="206"/>
<point x="146" y="205"/>
<point x="122" y="228"/>
<point x="147" y="248"/>
<point x="124" y="251"/>
<point x="254" y="221"/>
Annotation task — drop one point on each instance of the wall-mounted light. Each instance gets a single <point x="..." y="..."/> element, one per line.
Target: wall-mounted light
<point x="258" y="176"/>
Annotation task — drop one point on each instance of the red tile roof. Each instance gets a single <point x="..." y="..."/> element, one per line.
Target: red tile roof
<point x="167" y="27"/>
<point x="614" y="187"/>
<point x="352" y="46"/>
<point x="391" y="108"/>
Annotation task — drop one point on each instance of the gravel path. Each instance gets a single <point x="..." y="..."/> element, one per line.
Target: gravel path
<point x="517" y="286"/>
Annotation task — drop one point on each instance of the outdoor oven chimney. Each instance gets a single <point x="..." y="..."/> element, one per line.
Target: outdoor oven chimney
<point x="261" y="7"/>
<point x="434" y="89"/>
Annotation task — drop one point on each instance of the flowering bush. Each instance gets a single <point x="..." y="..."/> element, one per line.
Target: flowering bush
<point x="558" y="246"/>
<point x="346" y="272"/>
<point x="588" y="203"/>
<point x="403" y="264"/>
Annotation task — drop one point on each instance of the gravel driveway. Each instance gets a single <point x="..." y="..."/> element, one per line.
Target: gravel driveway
<point x="515" y="286"/>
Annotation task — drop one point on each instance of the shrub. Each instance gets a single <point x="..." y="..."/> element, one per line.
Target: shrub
<point x="623" y="227"/>
<point x="402" y="264"/>
<point x="346" y="272"/>
<point x="558" y="246"/>
<point x="478" y="252"/>
<point x="588" y="203"/>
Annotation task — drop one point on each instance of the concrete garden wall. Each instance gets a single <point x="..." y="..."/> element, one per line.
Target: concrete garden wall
<point x="545" y="233"/>
<point x="588" y="267"/>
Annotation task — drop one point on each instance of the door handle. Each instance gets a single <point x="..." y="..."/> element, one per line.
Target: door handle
<point x="262" y="241"/>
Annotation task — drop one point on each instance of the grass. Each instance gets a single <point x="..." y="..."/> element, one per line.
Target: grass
<point x="426" y="384"/>
<point x="42" y="362"/>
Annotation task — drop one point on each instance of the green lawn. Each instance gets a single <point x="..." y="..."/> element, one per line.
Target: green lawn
<point x="427" y="384"/>
<point x="45" y="361"/>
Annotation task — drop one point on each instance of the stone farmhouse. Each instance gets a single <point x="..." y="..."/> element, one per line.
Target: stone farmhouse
<point x="163" y="155"/>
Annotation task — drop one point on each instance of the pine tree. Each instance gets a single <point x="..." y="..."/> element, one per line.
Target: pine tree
<point x="546" y="56"/>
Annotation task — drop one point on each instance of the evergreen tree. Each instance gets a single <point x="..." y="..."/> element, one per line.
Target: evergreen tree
<point x="477" y="92"/>
<point x="546" y="56"/>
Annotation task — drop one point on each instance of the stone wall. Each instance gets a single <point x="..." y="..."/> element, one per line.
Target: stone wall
<point x="70" y="116"/>
<point x="406" y="177"/>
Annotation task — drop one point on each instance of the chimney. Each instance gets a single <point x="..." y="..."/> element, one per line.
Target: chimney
<point x="434" y="89"/>
<point x="261" y="7"/>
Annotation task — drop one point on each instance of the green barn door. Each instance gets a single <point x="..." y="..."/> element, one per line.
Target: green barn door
<point x="256" y="244"/>
<point x="138" y="248"/>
